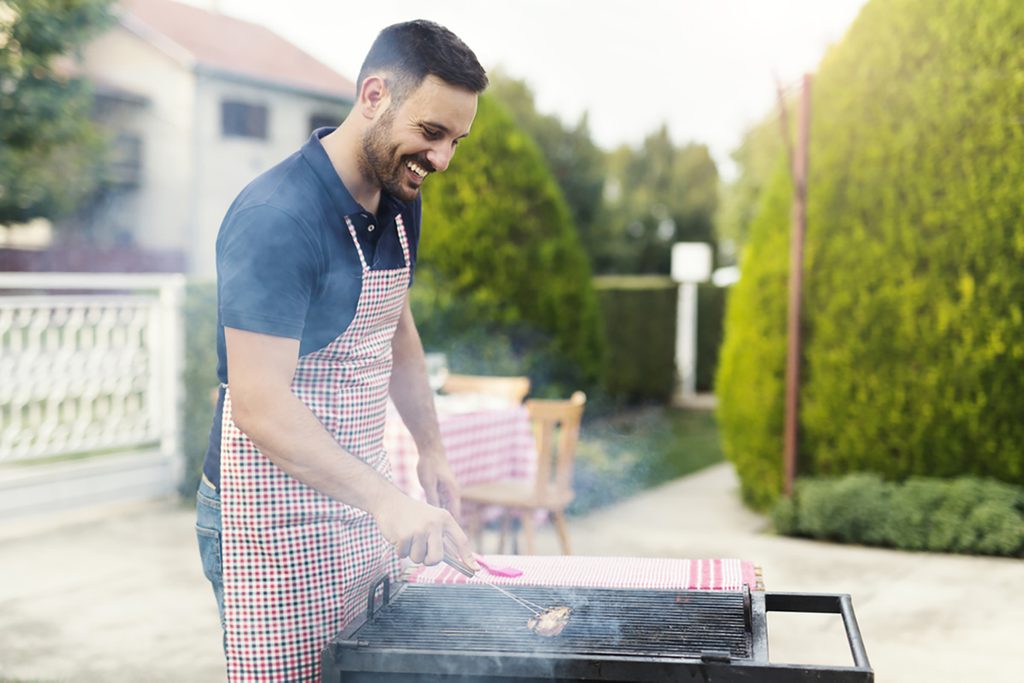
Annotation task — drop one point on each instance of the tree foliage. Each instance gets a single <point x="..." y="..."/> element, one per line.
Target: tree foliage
<point x="48" y="145"/>
<point x="575" y="161"/>
<point x="914" y="286"/>
<point x="629" y="205"/>
<point x="757" y="159"/>
<point x="656" y="194"/>
<point x="499" y="252"/>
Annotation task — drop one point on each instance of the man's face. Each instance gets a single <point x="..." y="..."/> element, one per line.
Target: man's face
<point x="418" y="137"/>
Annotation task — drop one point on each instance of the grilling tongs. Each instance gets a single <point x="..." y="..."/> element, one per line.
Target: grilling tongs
<point x="452" y="560"/>
<point x="455" y="563"/>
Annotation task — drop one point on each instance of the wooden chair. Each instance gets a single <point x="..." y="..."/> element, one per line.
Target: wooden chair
<point x="556" y="426"/>
<point x="514" y="389"/>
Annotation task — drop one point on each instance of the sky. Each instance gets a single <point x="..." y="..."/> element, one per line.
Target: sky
<point x="706" y="68"/>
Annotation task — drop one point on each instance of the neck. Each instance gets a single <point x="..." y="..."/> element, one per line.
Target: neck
<point x="343" y="147"/>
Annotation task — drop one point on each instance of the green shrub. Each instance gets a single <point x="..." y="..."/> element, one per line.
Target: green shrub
<point x="750" y="381"/>
<point x="914" y="291"/>
<point x="499" y="258"/>
<point x="710" y="329"/>
<point x="640" y="326"/>
<point x="200" y="378"/>
<point x="963" y="515"/>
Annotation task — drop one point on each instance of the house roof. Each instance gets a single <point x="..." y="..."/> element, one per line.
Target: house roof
<point x="215" y="42"/>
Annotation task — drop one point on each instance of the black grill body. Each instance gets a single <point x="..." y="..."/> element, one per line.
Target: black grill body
<point x="470" y="632"/>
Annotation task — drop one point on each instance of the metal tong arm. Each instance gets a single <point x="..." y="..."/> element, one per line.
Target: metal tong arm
<point x="458" y="565"/>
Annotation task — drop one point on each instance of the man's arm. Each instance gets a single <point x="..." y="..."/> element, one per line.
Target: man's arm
<point x="287" y="432"/>
<point x="411" y="394"/>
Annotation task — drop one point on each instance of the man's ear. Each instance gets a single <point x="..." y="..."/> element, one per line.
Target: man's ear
<point x="374" y="97"/>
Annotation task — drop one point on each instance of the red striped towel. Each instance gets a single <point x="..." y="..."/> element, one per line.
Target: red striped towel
<point x="606" y="572"/>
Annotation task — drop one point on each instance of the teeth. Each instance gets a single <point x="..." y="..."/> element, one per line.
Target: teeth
<point x="417" y="169"/>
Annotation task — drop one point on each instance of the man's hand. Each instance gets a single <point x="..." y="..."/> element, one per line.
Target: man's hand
<point x="417" y="530"/>
<point x="439" y="483"/>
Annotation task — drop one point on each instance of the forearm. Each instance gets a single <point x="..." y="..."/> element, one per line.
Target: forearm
<point x="288" y="433"/>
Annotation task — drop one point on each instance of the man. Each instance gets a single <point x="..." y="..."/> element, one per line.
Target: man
<point x="314" y="260"/>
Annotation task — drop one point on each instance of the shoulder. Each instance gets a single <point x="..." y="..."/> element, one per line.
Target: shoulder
<point x="289" y="189"/>
<point x="275" y="206"/>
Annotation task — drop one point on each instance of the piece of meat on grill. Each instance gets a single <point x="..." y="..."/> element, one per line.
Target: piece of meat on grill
<point x="550" y="622"/>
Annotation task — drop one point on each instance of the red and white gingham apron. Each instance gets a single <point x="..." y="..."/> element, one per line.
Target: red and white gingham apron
<point x="297" y="564"/>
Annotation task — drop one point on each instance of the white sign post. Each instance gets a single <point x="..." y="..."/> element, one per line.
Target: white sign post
<point x="691" y="263"/>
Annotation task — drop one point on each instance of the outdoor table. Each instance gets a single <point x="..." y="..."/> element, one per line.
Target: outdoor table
<point x="485" y="439"/>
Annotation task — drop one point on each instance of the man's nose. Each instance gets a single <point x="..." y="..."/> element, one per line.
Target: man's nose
<point x="440" y="156"/>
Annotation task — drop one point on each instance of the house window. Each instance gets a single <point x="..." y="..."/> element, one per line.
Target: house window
<point x="243" y="120"/>
<point x="323" y="120"/>
<point x="126" y="160"/>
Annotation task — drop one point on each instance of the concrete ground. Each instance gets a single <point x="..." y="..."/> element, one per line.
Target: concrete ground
<point x="118" y="595"/>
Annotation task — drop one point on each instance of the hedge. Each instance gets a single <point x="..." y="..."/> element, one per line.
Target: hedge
<point x="914" y="290"/>
<point x="640" y="326"/>
<point x="200" y="378"/>
<point x="710" y="330"/>
<point x="962" y="515"/>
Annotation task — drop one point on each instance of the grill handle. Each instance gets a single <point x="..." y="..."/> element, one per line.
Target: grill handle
<point x="823" y="603"/>
<point x="371" y="613"/>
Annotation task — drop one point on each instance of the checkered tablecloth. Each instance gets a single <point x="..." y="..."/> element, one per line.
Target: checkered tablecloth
<point x="606" y="572"/>
<point x="489" y="444"/>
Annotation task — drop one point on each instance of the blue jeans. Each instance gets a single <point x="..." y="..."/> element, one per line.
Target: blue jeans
<point x="208" y="531"/>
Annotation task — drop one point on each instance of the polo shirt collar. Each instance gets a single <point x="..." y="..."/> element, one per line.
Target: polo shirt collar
<point x="342" y="200"/>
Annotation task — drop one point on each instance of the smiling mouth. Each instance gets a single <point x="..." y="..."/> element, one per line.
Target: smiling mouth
<point x="417" y="169"/>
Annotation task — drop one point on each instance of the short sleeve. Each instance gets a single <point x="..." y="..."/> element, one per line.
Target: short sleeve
<point x="267" y="267"/>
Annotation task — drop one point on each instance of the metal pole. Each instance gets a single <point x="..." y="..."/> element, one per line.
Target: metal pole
<point x="796" y="257"/>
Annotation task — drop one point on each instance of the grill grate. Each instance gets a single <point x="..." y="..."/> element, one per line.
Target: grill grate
<point x="604" y="622"/>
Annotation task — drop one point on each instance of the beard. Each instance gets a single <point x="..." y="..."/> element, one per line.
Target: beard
<point x="380" y="162"/>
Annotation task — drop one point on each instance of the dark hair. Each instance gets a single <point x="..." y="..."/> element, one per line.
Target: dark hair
<point x="413" y="50"/>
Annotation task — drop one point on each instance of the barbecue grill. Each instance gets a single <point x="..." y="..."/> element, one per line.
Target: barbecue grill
<point x="468" y="632"/>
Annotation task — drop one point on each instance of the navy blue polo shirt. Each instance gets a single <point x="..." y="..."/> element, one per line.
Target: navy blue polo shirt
<point x="286" y="263"/>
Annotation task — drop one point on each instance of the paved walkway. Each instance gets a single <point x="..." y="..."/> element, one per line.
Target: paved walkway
<point x="121" y="597"/>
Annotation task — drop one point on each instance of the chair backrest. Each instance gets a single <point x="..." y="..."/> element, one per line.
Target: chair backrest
<point x="514" y="389"/>
<point x="556" y="425"/>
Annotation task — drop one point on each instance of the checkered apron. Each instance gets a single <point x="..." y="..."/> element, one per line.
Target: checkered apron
<point x="297" y="564"/>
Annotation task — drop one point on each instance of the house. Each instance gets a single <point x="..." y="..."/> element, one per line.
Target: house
<point x="198" y="103"/>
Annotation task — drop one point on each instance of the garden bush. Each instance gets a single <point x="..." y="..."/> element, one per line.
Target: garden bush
<point x="500" y="261"/>
<point x="640" y="326"/>
<point x="710" y="328"/>
<point x="200" y="378"/>
<point x="914" y="291"/>
<point x="961" y="515"/>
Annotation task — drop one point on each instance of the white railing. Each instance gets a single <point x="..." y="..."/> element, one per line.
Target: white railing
<point x="90" y="364"/>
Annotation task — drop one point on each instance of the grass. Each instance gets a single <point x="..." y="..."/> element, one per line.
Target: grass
<point x="628" y="452"/>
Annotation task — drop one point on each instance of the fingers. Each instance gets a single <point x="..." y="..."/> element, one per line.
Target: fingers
<point x="418" y="548"/>
<point x="424" y="543"/>
<point x="420" y="530"/>
<point x="435" y="548"/>
<point x="459" y="542"/>
<point x="427" y="547"/>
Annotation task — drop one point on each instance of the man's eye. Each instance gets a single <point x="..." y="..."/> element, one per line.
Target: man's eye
<point x="431" y="134"/>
